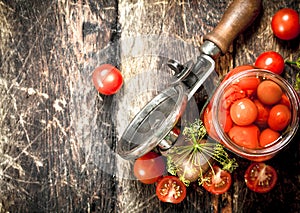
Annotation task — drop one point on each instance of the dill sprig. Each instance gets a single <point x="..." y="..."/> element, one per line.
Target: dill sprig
<point x="197" y="152"/>
<point x="297" y="82"/>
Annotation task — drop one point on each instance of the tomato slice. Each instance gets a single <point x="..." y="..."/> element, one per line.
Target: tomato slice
<point x="170" y="189"/>
<point x="217" y="181"/>
<point x="260" y="177"/>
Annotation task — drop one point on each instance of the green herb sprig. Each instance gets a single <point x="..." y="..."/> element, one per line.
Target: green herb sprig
<point x="196" y="150"/>
<point x="297" y="63"/>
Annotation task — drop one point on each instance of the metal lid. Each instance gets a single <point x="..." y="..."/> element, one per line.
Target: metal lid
<point x="149" y="127"/>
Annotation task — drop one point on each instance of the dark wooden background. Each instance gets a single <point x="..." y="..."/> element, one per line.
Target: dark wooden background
<point x="58" y="135"/>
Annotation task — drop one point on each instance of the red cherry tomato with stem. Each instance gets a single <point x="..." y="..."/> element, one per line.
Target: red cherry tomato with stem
<point x="260" y="177"/>
<point x="271" y="61"/>
<point x="107" y="79"/>
<point x="285" y="24"/>
<point x="218" y="181"/>
<point x="170" y="189"/>
<point x="149" y="168"/>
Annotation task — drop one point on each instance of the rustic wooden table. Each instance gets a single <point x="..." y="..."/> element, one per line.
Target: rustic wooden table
<point x="58" y="135"/>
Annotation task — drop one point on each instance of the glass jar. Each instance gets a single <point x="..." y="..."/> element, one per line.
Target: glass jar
<point x="257" y="153"/>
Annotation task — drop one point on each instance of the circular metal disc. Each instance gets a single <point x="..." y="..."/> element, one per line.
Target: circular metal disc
<point x="153" y="122"/>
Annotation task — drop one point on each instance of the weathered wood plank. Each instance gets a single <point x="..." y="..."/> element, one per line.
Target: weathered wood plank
<point x="185" y="23"/>
<point x="55" y="129"/>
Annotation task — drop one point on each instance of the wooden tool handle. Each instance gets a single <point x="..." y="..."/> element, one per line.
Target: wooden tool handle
<point x="239" y="15"/>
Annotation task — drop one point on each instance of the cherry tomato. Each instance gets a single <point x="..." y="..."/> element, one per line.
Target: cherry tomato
<point x="149" y="168"/>
<point x="245" y="136"/>
<point x="260" y="177"/>
<point x="107" y="79"/>
<point x="238" y="69"/>
<point x="170" y="189"/>
<point x="248" y="83"/>
<point x="218" y="181"/>
<point x="267" y="136"/>
<point x="231" y="94"/>
<point x="285" y="101"/>
<point x="279" y="118"/>
<point x="285" y="24"/>
<point x="243" y="112"/>
<point x="268" y="92"/>
<point x="208" y="123"/>
<point x="271" y="61"/>
<point x="225" y="120"/>
<point x="263" y="114"/>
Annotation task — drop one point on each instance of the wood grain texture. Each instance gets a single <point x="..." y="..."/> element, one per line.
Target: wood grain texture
<point x="58" y="135"/>
<point x="184" y="23"/>
<point x="55" y="129"/>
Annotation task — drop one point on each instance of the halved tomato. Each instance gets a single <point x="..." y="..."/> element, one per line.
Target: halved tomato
<point x="170" y="189"/>
<point x="260" y="177"/>
<point x="218" y="181"/>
